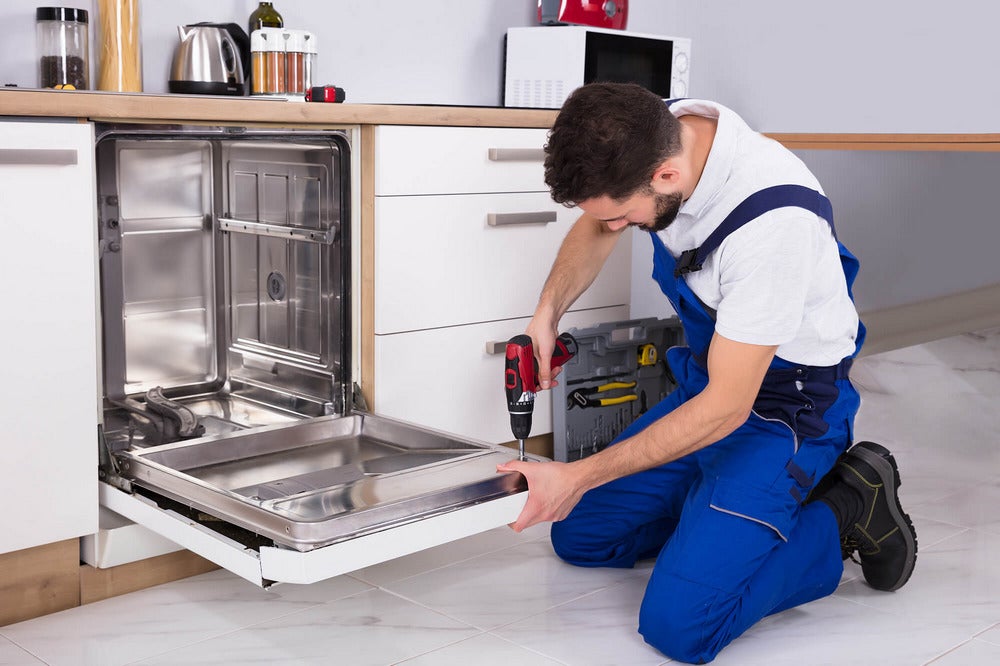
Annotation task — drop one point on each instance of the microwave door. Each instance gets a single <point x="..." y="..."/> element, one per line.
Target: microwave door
<point x="640" y="60"/>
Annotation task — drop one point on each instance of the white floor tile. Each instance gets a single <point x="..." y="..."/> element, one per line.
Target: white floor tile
<point x="449" y="553"/>
<point x="149" y="622"/>
<point x="373" y="627"/>
<point x="483" y="650"/>
<point x="834" y="632"/>
<point x="972" y="653"/>
<point x="598" y="629"/>
<point x="12" y="655"/>
<point x="956" y="583"/>
<point x="974" y="507"/>
<point x="506" y="586"/>
<point x="991" y="635"/>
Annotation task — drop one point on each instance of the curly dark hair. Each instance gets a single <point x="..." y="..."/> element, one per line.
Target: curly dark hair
<point x="608" y="139"/>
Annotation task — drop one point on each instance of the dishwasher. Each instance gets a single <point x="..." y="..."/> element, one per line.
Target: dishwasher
<point x="232" y="420"/>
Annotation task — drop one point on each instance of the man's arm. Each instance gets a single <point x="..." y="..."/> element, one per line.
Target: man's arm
<point x="735" y="371"/>
<point x="581" y="256"/>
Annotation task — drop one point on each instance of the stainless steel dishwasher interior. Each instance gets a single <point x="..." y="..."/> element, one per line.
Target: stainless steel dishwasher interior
<point x="226" y="288"/>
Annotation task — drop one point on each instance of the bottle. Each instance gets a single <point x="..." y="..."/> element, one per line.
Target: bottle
<point x="265" y="16"/>
<point x="63" y="48"/>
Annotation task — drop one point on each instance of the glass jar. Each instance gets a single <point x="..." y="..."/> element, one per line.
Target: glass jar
<point x="309" y="60"/>
<point x="295" y="63"/>
<point x="267" y="58"/>
<point x="63" y="48"/>
<point x="119" y="64"/>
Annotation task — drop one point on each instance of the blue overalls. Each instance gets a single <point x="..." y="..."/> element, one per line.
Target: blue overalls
<point x="727" y="523"/>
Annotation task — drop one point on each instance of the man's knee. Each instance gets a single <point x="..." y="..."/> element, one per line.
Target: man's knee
<point x="682" y="620"/>
<point x="585" y="546"/>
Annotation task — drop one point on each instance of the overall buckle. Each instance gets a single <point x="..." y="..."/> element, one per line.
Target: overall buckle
<point x="686" y="263"/>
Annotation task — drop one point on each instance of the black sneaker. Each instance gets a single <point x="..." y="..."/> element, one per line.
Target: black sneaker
<point x="883" y="536"/>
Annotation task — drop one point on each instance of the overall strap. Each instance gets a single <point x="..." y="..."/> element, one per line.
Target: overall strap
<point x="758" y="203"/>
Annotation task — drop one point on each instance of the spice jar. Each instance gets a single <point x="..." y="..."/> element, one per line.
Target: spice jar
<point x="309" y="60"/>
<point x="63" y="47"/>
<point x="267" y="58"/>
<point x="295" y="63"/>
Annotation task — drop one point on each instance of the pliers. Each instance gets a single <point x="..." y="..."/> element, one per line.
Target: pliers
<point x="589" y="397"/>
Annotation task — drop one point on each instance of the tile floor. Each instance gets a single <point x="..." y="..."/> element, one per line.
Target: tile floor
<point x="503" y="598"/>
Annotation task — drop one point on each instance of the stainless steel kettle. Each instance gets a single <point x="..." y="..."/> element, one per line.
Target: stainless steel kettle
<point x="211" y="59"/>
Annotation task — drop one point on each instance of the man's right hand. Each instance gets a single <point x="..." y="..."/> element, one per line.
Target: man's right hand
<point x="543" y="335"/>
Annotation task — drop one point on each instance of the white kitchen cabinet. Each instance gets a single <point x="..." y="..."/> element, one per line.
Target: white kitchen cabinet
<point x="50" y="394"/>
<point x="465" y="235"/>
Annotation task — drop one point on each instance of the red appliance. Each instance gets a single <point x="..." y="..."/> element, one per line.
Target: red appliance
<point x="598" y="13"/>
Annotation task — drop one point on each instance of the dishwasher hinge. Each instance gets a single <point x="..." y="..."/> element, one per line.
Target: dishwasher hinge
<point x="358" y="401"/>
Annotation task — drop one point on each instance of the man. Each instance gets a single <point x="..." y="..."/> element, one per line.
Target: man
<point x="741" y="482"/>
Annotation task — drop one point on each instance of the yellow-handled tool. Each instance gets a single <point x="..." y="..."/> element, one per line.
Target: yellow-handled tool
<point x="591" y="397"/>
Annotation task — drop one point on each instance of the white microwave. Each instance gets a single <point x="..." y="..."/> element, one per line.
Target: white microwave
<point x="544" y="64"/>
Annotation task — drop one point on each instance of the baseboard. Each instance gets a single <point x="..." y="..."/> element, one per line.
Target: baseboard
<point x="38" y="581"/>
<point x="933" y="319"/>
<point x="97" y="584"/>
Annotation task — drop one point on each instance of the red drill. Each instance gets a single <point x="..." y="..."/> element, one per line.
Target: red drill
<point x="521" y="380"/>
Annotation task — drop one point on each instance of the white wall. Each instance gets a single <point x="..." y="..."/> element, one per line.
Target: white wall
<point x="379" y="51"/>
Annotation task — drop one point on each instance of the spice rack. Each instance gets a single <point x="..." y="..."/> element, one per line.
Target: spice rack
<point x="282" y="62"/>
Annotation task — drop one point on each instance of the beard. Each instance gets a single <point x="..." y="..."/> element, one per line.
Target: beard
<point x="667" y="207"/>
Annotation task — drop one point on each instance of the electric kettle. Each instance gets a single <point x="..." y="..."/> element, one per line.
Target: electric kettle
<point x="211" y="59"/>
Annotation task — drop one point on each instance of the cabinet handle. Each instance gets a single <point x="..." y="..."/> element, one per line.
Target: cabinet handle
<point x="37" y="157"/>
<point x="507" y="219"/>
<point x="494" y="347"/>
<point x="516" y="155"/>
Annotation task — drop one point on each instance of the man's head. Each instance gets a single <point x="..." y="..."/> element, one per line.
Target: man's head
<point x="606" y="147"/>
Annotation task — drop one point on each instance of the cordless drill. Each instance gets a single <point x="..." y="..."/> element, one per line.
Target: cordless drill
<point x="521" y="380"/>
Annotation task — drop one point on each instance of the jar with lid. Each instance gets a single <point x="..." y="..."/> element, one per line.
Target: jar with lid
<point x="295" y="63"/>
<point x="63" y="48"/>
<point x="267" y="58"/>
<point x="309" y="61"/>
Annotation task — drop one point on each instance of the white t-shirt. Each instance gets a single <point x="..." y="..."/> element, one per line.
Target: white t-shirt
<point x="778" y="279"/>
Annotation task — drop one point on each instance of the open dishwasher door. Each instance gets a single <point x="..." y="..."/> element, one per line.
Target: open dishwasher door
<point x="229" y="424"/>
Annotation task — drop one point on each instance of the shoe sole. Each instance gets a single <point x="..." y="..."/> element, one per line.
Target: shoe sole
<point x="880" y="460"/>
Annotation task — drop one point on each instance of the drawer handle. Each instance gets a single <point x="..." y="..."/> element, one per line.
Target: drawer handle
<point x="516" y="155"/>
<point x="494" y="347"/>
<point x="508" y="219"/>
<point x="37" y="157"/>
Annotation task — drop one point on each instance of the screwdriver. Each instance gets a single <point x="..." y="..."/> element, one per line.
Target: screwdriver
<point x="521" y="380"/>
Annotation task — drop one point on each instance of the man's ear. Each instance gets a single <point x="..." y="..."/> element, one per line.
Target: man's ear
<point x="667" y="176"/>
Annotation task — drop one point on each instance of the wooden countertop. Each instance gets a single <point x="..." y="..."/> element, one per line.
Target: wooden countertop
<point x="179" y="109"/>
<point x="190" y="108"/>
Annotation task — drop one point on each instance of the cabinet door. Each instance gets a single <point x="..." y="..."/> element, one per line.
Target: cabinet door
<point x="448" y="380"/>
<point x="49" y="392"/>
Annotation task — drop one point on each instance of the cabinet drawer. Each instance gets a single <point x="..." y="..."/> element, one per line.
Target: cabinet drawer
<point x="445" y="379"/>
<point x="452" y="160"/>
<point x="440" y="263"/>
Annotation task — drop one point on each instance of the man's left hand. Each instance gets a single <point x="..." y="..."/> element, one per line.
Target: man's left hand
<point x="554" y="488"/>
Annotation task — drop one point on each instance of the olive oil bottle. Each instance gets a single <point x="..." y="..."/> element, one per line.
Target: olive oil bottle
<point x="265" y="16"/>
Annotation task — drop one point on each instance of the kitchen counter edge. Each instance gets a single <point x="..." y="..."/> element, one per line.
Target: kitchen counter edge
<point x="183" y="108"/>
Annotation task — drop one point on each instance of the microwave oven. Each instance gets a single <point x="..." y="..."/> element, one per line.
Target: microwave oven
<point x="544" y="64"/>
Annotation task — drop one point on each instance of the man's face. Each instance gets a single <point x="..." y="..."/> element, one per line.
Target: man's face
<point x="649" y="210"/>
